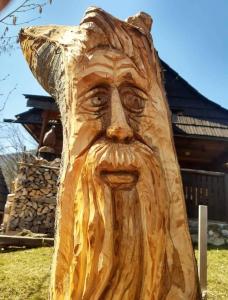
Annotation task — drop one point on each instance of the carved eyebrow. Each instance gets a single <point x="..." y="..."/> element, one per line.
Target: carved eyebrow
<point x="94" y="90"/>
<point x="136" y="90"/>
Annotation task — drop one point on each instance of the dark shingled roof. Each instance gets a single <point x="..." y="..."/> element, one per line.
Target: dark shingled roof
<point x="192" y="113"/>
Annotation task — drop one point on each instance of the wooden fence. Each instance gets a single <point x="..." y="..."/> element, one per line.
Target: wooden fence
<point x="206" y="188"/>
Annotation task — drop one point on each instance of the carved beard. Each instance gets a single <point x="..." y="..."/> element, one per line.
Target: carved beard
<point x="120" y="234"/>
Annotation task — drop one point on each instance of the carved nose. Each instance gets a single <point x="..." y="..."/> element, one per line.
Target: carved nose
<point x="118" y="128"/>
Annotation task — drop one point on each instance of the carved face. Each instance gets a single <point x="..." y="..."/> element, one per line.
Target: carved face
<point x="112" y="96"/>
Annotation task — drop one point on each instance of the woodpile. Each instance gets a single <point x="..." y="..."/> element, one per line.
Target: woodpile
<point x="35" y="197"/>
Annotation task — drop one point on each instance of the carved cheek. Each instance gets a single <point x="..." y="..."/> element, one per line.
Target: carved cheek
<point x="147" y="124"/>
<point x="85" y="134"/>
<point x="133" y="121"/>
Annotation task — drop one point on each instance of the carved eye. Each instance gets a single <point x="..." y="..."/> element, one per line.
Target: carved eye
<point x="99" y="100"/>
<point x="133" y="101"/>
<point x="95" y="100"/>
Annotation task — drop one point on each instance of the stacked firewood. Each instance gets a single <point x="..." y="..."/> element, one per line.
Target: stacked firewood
<point x="35" y="197"/>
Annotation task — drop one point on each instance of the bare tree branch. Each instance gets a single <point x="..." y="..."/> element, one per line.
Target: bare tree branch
<point x="17" y="17"/>
<point x="22" y="23"/>
<point x="23" y="7"/>
<point x="11" y="138"/>
<point x="4" y="78"/>
<point x="7" y="97"/>
<point x="12" y="149"/>
<point x="8" y="42"/>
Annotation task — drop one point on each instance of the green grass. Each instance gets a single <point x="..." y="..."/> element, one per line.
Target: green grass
<point x="217" y="263"/>
<point x="25" y="274"/>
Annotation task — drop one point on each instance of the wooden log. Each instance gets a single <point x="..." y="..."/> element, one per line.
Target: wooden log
<point x="122" y="225"/>
<point x="23" y="241"/>
<point x="40" y="166"/>
<point x="51" y="200"/>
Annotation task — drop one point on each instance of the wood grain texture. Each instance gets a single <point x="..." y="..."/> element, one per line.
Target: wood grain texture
<point x="121" y="228"/>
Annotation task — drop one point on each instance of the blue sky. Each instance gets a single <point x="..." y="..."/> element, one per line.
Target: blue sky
<point x="191" y="36"/>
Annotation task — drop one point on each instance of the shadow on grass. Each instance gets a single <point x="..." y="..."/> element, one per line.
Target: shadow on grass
<point x="39" y="286"/>
<point x="212" y="247"/>
<point x="12" y="249"/>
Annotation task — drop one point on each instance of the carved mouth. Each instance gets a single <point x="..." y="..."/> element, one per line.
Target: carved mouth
<point x="120" y="179"/>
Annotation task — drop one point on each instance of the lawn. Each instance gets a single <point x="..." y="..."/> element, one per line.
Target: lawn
<point x="217" y="274"/>
<point x="24" y="274"/>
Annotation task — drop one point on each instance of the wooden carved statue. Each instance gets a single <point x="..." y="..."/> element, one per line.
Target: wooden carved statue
<point x="122" y="229"/>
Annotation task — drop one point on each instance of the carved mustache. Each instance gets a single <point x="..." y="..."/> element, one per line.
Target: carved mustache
<point x="116" y="156"/>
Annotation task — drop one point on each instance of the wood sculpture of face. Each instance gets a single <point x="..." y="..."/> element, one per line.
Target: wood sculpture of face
<point x="121" y="225"/>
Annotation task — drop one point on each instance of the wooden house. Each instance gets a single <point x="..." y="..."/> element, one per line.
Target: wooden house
<point x="200" y="129"/>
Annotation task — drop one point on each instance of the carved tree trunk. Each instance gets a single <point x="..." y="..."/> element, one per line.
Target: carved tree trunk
<point x="122" y="227"/>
